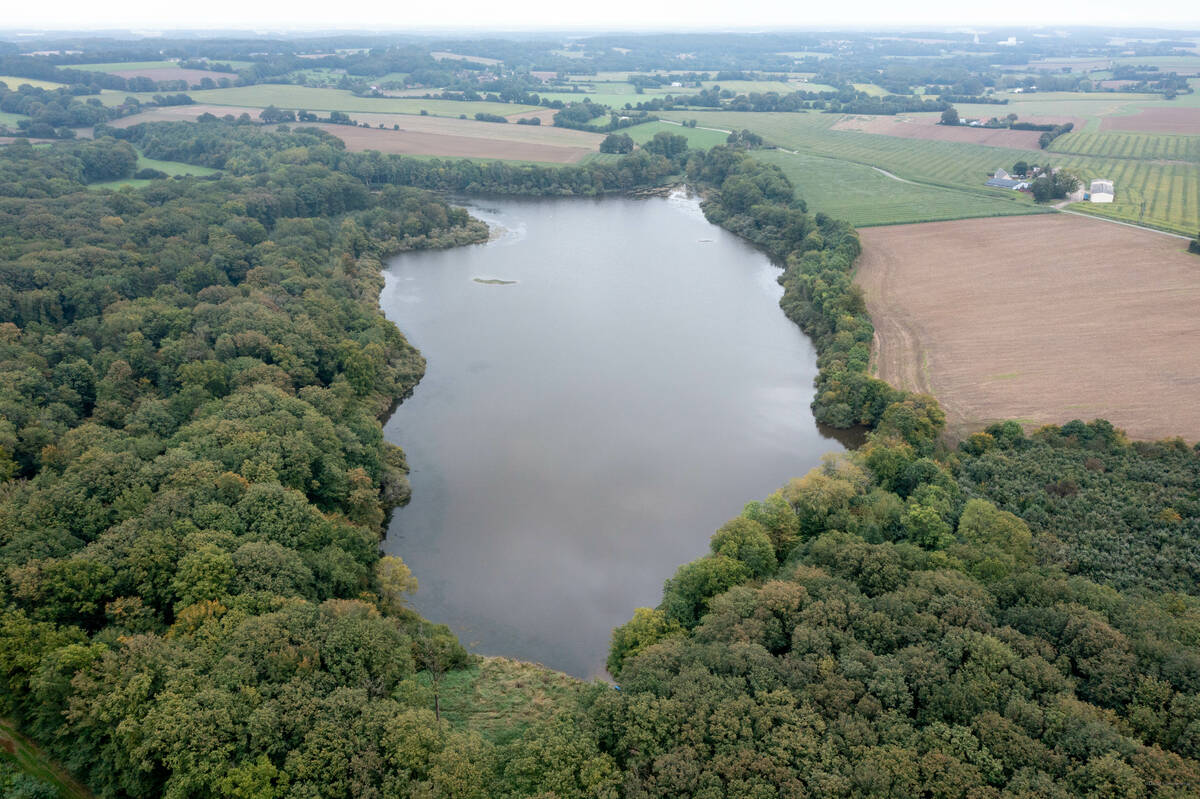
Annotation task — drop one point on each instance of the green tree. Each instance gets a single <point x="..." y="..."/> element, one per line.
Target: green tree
<point x="619" y="143"/>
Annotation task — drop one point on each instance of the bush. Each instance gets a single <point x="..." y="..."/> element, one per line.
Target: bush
<point x="150" y="174"/>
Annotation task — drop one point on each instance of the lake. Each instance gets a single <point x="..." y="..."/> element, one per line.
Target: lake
<point x="608" y="382"/>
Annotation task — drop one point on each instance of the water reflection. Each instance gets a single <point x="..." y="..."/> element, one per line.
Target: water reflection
<point x="582" y="431"/>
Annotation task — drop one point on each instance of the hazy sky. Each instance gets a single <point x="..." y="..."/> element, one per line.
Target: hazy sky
<point x="609" y="14"/>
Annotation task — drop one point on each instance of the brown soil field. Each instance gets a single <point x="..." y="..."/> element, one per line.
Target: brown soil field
<point x="420" y="135"/>
<point x="407" y="142"/>
<point x="926" y="127"/>
<point x="1042" y="319"/>
<point x="1157" y="120"/>
<point x="192" y="76"/>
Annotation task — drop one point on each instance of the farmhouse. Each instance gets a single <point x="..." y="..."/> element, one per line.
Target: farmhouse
<point x="1003" y="180"/>
<point x="1101" y="191"/>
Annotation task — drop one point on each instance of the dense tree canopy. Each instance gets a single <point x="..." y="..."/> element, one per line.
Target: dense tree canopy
<point x="193" y="483"/>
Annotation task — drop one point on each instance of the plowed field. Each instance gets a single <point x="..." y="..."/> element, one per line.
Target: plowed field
<point x="1042" y="319"/>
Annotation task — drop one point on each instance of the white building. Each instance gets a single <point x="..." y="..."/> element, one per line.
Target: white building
<point x="1101" y="191"/>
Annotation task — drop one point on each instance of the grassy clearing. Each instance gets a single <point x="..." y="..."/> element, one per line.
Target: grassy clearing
<point x="18" y="749"/>
<point x="499" y="698"/>
<point x="13" y="82"/>
<point x="10" y="120"/>
<point x="310" y="99"/>
<point x="865" y="197"/>
<point x="172" y="168"/>
<point x="871" y="89"/>
<point x="697" y="137"/>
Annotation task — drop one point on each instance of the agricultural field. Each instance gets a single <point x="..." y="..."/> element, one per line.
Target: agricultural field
<point x="450" y="145"/>
<point x="950" y="164"/>
<point x="864" y="196"/>
<point x="1160" y="195"/>
<point x="1152" y="146"/>
<point x="310" y="99"/>
<point x="424" y="135"/>
<point x="1156" y="120"/>
<point x="700" y="138"/>
<point x="1169" y="191"/>
<point x="925" y="126"/>
<point x="13" y="82"/>
<point x="1097" y="320"/>
<point x="126" y="66"/>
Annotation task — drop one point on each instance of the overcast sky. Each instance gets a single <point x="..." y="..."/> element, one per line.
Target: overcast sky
<point x="379" y="15"/>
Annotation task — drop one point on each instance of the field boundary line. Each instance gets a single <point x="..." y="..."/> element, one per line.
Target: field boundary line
<point x="698" y="127"/>
<point x="1133" y="225"/>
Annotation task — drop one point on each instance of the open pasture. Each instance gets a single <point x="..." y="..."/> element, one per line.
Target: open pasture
<point x="1095" y="320"/>
<point x="864" y="196"/>
<point x="926" y="127"/>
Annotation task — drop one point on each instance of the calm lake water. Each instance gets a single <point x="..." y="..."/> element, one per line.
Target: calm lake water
<point x="581" y="432"/>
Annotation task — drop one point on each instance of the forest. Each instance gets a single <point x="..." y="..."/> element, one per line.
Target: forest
<point x="195" y="483"/>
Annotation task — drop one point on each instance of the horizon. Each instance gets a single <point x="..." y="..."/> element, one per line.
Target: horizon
<point x="147" y="19"/>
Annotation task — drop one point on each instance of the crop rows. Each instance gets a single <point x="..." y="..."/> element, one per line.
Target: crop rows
<point x="865" y="197"/>
<point x="1151" y="146"/>
<point x="1170" y="191"/>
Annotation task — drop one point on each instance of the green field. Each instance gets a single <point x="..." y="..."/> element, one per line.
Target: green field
<point x="18" y="749"/>
<point x="697" y="137"/>
<point x="10" y="120"/>
<point x="172" y="168"/>
<point x="1170" y="191"/>
<point x="1151" y="146"/>
<point x="866" y="197"/>
<point x="871" y="89"/>
<point x="309" y="99"/>
<point x="13" y="82"/>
